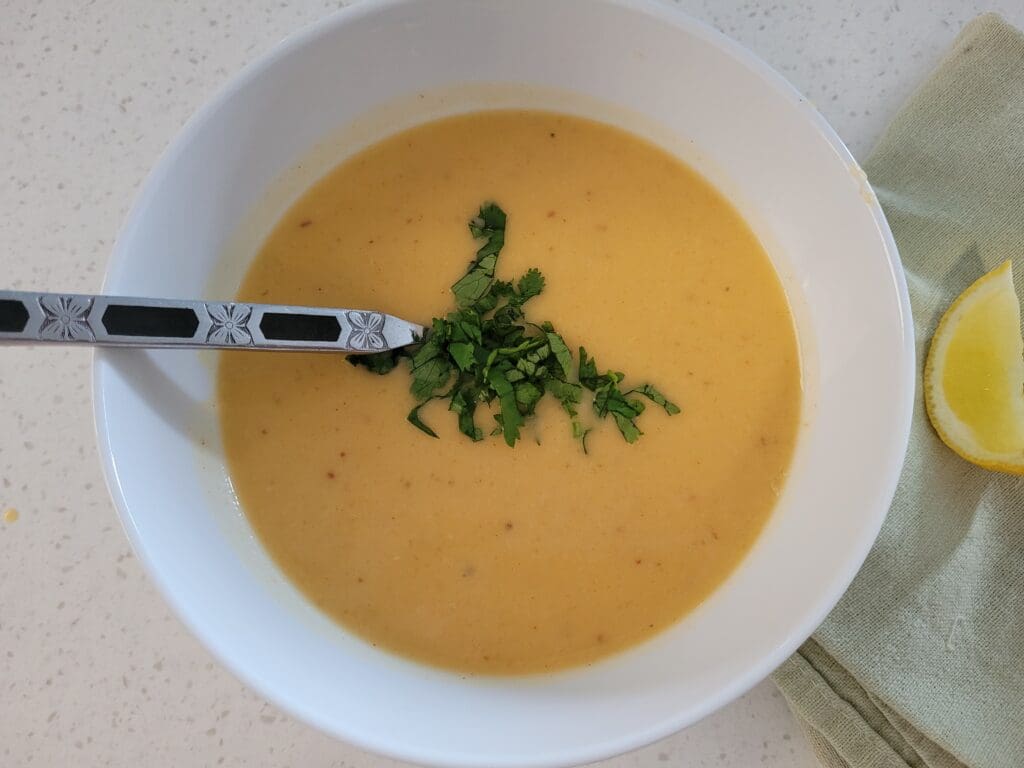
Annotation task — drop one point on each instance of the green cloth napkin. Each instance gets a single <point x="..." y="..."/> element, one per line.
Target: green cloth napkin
<point x="922" y="661"/>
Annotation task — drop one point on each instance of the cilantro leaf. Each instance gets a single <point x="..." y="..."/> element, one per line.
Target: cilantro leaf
<point x="491" y="217"/>
<point x="561" y="352"/>
<point x="608" y="399"/>
<point x="511" y="419"/>
<point x="527" y="395"/>
<point x="652" y="394"/>
<point x="431" y="368"/>
<point x="464" y="325"/>
<point x="531" y="284"/>
<point x="379" y="362"/>
<point x="567" y="393"/>
<point x="627" y="427"/>
<point x="416" y="421"/>
<point x="490" y="226"/>
<point x="462" y="354"/>
<point x="587" y="370"/>
<point x="464" y="403"/>
<point x="474" y="284"/>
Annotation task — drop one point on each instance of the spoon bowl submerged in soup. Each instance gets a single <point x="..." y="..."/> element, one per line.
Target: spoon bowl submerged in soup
<point x="472" y="555"/>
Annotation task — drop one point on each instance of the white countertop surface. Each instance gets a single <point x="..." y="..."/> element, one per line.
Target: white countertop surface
<point x="94" y="670"/>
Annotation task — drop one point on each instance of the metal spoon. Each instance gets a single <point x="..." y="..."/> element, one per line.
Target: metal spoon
<point x="116" y="321"/>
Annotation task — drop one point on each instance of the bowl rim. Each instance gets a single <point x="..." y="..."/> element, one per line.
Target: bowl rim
<point x="755" y="673"/>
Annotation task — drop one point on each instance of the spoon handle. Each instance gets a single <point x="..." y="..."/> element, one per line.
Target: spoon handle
<point x="116" y="321"/>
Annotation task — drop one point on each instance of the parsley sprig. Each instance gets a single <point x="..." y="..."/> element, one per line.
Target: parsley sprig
<point x="486" y="352"/>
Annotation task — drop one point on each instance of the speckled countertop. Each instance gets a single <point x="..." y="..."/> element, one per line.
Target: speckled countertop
<point x="94" y="670"/>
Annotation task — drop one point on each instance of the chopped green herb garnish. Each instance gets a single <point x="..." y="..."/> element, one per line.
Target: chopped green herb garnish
<point x="486" y="353"/>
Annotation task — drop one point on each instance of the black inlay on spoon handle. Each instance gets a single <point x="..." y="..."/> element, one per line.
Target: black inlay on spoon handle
<point x="13" y="316"/>
<point x="286" y="326"/>
<point x="160" y="322"/>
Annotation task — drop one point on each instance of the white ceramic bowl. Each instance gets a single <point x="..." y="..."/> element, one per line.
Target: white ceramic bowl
<point x="381" y="66"/>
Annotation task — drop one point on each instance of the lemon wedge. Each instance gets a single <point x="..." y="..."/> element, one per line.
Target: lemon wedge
<point x="974" y="375"/>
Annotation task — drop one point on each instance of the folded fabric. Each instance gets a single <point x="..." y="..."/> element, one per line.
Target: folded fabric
<point x="922" y="662"/>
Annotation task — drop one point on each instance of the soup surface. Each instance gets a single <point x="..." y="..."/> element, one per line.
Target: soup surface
<point x="477" y="556"/>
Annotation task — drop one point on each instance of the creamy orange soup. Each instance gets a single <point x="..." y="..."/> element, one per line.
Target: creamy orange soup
<point x="475" y="556"/>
